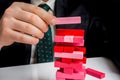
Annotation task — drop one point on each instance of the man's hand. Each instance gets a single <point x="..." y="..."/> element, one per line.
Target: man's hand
<point x="24" y="23"/>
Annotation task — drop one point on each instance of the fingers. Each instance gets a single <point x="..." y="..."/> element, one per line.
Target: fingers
<point x="44" y="15"/>
<point x="32" y="19"/>
<point x="27" y="28"/>
<point x="23" y="38"/>
<point x="12" y="36"/>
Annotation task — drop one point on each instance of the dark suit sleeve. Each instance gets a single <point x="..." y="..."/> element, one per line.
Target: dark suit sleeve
<point x="15" y="54"/>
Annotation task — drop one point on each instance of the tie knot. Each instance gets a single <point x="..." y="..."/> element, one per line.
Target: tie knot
<point x="44" y="6"/>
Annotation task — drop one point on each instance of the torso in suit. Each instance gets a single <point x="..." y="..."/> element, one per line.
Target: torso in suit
<point x="97" y="39"/>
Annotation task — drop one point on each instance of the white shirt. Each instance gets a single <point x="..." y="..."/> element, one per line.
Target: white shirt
<point x="51" y="5"/>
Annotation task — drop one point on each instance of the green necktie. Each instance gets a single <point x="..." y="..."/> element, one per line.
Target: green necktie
<point x="45" y="45"/>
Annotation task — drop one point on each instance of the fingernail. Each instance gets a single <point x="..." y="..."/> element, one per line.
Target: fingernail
<point x="53" y="21"/>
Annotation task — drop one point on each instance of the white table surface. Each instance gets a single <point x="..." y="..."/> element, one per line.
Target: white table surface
<point x="47" y="71"/>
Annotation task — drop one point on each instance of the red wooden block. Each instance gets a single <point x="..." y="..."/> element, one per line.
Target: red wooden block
<point x="65" y="38"/>
<point x="57" y="78"/>
<point x="95" y="73"/>
<point x="78" y="44"/>
<point x="80" y="60"/>
<point x="79" y="75"/>
<point x="58" y="38"/>
<point x="82" y="49"/>
<point x="70" y="44"/>
<point x="61" y="65"/>
<point x="75" y="66"/>
<point x="68" y="20"/>
<point x="66" y="60"/>
<point x="84" y="60"/>
<point x="78" y="39"/>
<point x="68" y="38"/>
<point x="68" y="70"/>
<point x="68" y="49"/>
<point x="82" y="69"/>
<point x="79" y="79"/>
<point x="72" y="32"/>
<point x="74" y="55"/>
<point x="58" y="48"/>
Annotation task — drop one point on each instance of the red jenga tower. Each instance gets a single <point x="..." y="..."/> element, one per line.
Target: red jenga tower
<point x="69" y="53"/>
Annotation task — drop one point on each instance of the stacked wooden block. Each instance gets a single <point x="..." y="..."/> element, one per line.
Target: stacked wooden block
<point x="69" y="54"/>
